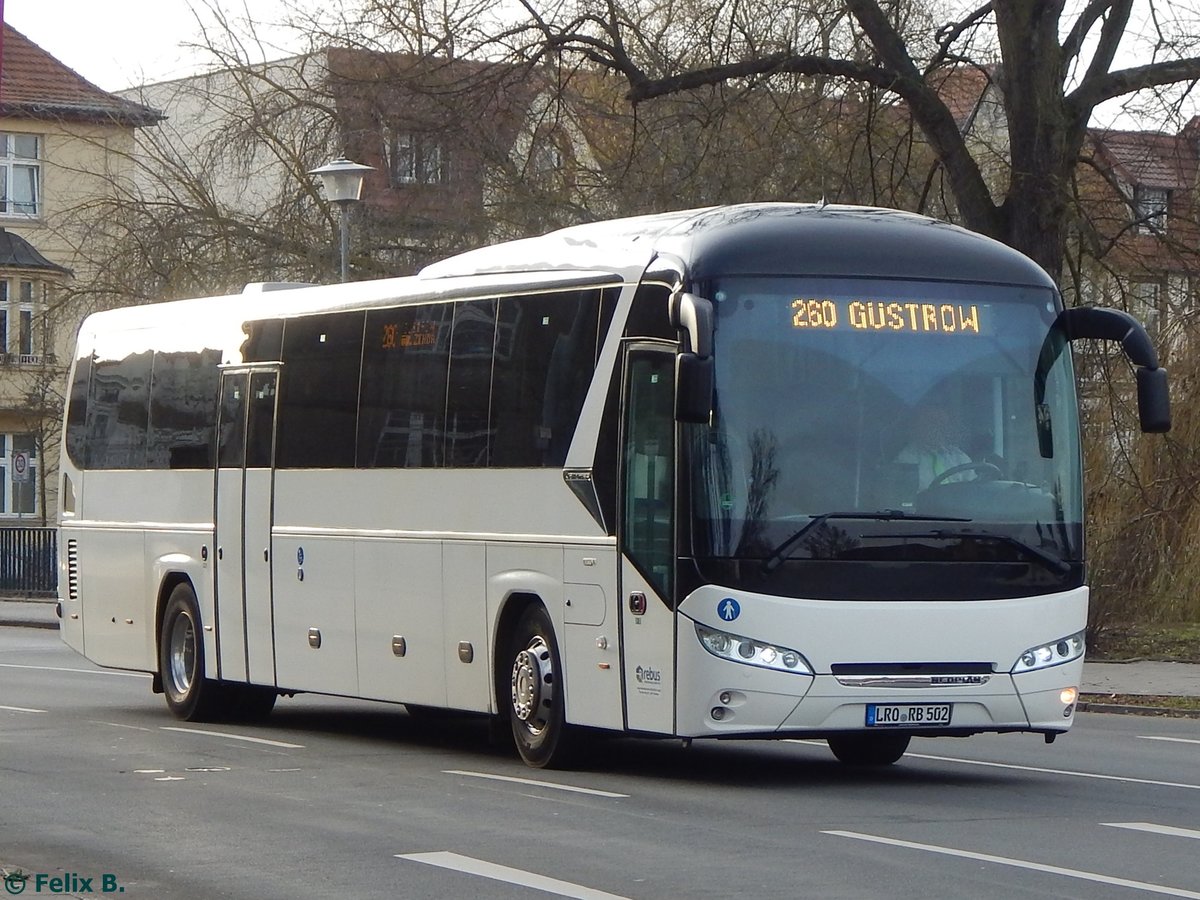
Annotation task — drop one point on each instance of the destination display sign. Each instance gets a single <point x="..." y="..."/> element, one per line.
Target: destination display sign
<point x="906" y="316"/>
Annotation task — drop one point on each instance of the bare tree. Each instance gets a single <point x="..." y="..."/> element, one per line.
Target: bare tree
<point x="1053" y="69"/>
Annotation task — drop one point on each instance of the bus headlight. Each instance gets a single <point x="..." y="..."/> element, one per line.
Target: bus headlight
<point x="1053" y="654"/>
<point x="752" y="653"/>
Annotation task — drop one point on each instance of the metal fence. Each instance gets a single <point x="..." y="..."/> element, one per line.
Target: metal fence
<point x="29" y="562"/>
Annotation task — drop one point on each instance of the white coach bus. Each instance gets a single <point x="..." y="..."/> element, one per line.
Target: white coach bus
<point x="754" y="471"/>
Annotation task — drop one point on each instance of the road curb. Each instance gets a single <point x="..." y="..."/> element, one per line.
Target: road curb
<point x="28" y="623"/>
<point x="1126" y="709"/>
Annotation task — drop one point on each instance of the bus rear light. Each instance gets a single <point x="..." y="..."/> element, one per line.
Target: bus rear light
<point x="752" y="653"/>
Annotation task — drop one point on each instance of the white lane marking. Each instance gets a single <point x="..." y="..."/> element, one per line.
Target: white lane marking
<point x="458" y="863"/>
<point x="1175" y="740"/>
<point x="1169" y="830"/>
<point x="123" y="725"/>
<point x="149" y="771"/>
<point x="995" y="765"/>
<point x="1023" y="864"/>
<point x="77" y="671"/>
<point x="22" y="709"/>
<point x="546" y="784"/>
<point x="234" y="737"/>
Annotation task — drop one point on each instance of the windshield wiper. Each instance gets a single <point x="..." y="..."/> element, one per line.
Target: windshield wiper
<point x="1055" y="564"/>
<point x="779" y="554"/>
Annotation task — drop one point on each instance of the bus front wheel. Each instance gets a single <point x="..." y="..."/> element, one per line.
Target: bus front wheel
<point x="869" y="749"/>
<point x="535" y="707"/>
<point x="190" y="696"/>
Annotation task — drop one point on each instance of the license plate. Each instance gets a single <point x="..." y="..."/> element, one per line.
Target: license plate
<point x="908" y="715"/>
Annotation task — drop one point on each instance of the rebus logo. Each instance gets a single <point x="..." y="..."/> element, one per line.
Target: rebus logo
<point x="647" y="675"/>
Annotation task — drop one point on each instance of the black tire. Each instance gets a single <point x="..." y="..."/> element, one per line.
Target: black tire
<point x="869" y="749"/>
<point x="190" y="696"/>
<point x="536" y="708"/>
<point x="248" y="702"/>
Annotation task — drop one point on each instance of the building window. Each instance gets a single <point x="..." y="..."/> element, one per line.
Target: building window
<point x="20" y="175"/>
<point x="21" y="304"/>
<point x="18" y="475"/>
<point x="1150" y="208"/>
<point x="414" y="158"/>
<point x="1146" y="304"/>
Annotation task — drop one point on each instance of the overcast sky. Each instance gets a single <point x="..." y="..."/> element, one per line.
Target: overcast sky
<point x="117" y="44"/>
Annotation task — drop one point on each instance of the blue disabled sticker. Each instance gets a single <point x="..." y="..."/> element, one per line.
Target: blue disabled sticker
<point x="729" y="609"/>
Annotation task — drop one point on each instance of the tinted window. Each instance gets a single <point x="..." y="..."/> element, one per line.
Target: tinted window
<point x="319" y="394"/>
<point x="406" y="356"/>
<point x="118" y="408"/>
<point x="232" y="450"/>
<point x="77" y="406"/>
<point x="260" y="420"/>
<point x="183" y="408"/>
<point x="545" y="355"/>
<point x="264" y="341"/>
<point x="650" y="314"/>
<point x="468" y="392"/>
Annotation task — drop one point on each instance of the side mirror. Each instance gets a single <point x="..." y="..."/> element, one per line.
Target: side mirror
<point x="694" y="379"/>
<point x="1154" y="401"/>
<point x="693" y="388"/>
<point x="694" y="316"/>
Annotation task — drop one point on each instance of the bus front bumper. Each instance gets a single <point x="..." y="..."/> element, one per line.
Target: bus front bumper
<point x="727" y="700"/>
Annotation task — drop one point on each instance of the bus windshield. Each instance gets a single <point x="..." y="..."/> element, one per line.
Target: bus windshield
<point x="900" y="424"/>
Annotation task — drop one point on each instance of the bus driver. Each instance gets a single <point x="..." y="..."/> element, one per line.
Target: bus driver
<point x="931" y="448"/>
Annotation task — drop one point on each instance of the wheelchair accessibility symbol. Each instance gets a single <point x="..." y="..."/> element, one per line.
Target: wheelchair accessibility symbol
<point x="729" y="609"/>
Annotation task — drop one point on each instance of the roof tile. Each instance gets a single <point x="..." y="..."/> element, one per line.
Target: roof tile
<point x="35" y="85"/>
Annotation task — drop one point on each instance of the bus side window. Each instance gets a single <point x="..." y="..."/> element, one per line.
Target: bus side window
<point x="545" y="358"/>
<point x="118" y="411"/>
<point x="469" y="384"/>
<point x="77" y="413"/>
<point x="183" y="409"/>
<point x="319" y="391"/>
<point x="402" y="404"/>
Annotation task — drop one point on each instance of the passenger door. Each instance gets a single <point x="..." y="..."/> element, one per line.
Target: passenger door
<point x="646" y="536"/>
<point x="243" y="511"/>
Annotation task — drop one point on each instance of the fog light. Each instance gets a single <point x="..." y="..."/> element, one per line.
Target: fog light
<point x="1069" y="695"/>
<point x="717" y="713"/>
<point x="726" y="697"/>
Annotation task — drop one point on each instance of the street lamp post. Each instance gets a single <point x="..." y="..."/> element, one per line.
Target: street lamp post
<point x="343" y="182"/>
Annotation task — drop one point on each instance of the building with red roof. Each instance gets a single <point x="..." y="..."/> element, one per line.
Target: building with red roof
<point x="64" y="144"/>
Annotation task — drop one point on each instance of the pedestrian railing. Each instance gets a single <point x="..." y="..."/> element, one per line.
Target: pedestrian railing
<point x="29" y="562"/>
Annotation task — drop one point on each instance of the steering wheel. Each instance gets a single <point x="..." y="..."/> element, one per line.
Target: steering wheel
<point x="983" y="468"/>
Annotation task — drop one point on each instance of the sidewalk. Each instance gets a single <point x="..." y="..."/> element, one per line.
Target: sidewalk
<point x="28" y="613"/>
<point x="1165" y="679"/>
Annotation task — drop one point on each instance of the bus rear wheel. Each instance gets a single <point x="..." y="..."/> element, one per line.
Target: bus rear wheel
<point x="190" y="696"/>
<point x="535" y="707"/>
<point x="869" y="749"/>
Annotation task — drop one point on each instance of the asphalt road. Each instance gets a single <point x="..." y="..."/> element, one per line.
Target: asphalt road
<point x="337" y="798"/>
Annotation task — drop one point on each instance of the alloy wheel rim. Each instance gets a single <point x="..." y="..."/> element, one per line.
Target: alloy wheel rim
<point x="533" y="685"/>
<point x="182" y="654"/>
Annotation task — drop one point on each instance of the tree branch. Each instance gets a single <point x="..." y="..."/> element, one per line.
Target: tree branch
<point x="1073" y="43"/>
<point x="1110" y="38"/>
<point x="951" y="32"/>
<point x="1110" y="85"/>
